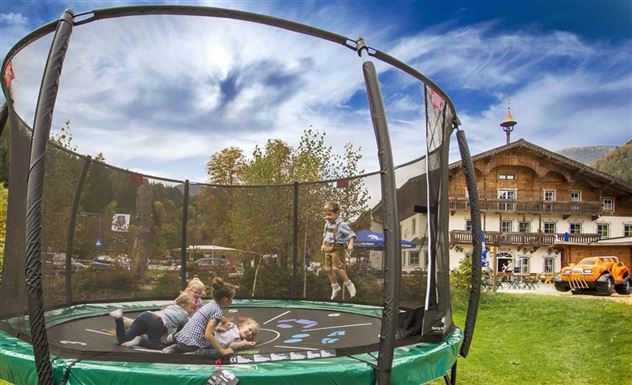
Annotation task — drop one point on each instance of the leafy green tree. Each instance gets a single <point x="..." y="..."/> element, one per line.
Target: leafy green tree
<point x="260" y="218"/>
<point x="226" y="166"/>
<point x="61" y="175"/>
<point x="618" y="162"/>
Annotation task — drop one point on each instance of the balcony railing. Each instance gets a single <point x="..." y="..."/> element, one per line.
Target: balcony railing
<point x="540" y="207"/>
<point x="497" y="238"/>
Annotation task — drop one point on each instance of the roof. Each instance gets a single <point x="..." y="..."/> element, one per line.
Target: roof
<point x="573" y="165"/>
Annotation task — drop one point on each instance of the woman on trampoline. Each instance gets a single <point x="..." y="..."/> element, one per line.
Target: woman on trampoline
<point x="198" y="335"/>
<point x="151" y="328"/>
<point x="336" y="236"/>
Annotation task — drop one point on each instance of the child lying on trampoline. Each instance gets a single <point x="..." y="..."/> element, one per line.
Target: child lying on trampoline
<point x="151" y="328"/>
<point x="235" y="337"/>
<point x="197" y="335"/>
<point x="228" y="336"/>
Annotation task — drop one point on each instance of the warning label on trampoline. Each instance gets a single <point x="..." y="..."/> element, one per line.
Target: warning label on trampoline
<point x="291" y="356"/>
<point x="222" y="377"/>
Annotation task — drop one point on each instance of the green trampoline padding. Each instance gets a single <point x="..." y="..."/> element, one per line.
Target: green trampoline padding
<point x="412" y="364"/>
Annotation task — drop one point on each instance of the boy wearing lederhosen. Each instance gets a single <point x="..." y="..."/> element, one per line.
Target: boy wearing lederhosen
<point x="337" y="237"/>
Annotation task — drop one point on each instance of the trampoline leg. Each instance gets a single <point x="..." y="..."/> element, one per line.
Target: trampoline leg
<point x="451" y="379"/>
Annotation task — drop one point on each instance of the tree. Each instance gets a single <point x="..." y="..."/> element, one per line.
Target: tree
<point x="260" y="218"/>
<point x="226" y="166"/>
<point x="618" y="162"/>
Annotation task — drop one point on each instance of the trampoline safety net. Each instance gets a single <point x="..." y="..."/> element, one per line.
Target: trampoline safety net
<point x="112" y="236"/>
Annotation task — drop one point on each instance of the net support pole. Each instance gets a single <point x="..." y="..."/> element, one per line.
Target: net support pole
<point x="294" y="239"/>
<point x="71" y="229"/>
<point x="475" y="215"/>
<point x="35" y="188"/>
<point x="392" y="265"/>
<point x="183" y="236"/>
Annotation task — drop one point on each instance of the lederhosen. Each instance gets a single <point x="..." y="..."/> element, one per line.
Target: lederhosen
<point x="334" y="252"/>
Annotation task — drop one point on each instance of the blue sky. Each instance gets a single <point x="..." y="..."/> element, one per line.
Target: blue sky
<point x="160" y="95"/>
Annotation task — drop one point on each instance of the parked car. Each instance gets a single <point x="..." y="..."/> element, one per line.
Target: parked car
<point x="208" y="264"/>
<point x="214" y="264"/>
<point x="108" y="262"/>
<point x="602" y="275"/>
<point x="58" y="261"/>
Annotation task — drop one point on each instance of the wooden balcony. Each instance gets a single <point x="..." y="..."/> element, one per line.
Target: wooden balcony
<point x="593" y="209"/>
<point x="496" y="238"/>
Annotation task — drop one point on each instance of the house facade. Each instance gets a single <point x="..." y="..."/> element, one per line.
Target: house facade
<point x="540" y="210"/>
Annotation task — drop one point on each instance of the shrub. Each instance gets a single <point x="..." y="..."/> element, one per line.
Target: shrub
<point x="167" y="286"/>
<point x="95" y="284"/>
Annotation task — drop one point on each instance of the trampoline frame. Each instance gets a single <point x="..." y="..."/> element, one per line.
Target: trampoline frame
<point x="355" y="368"/>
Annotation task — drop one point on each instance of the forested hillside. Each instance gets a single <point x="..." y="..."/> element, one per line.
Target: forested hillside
<point x="618" y="162"/>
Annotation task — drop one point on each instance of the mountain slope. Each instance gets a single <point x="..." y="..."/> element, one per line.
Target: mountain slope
<point x="586" y="155"/>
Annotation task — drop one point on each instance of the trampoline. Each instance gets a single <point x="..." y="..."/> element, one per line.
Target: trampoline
<point x="54" y="325"/>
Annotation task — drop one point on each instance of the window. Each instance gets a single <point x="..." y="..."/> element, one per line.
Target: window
<point x="549" y="264"/>
<point x="505" y="176"/>
<point x="627" y="230"/>
<point x="505" y="194"/>
<point x="575" y="228"/>
<point x="413" y="225"/>
<point x="413" y="258"/>
<point x="576" y="196"/>
<point x="505" y="226"/>
<point x="603" y="229"/>
<point x="608" y="204"/>
<point x="550" y="228"/>
<point x="524" y="227"/>
<point x="468" y="225"/>
<point x="549" y="195"/>
<point x="523" y="264"/>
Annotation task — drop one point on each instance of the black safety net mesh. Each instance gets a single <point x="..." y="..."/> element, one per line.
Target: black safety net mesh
<point x="111" y="234"/>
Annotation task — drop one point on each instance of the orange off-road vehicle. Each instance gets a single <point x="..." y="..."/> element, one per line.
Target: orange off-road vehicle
<point x="602" y="275"/>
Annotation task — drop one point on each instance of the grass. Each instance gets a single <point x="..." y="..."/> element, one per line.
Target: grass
<point x="548" y="340"/>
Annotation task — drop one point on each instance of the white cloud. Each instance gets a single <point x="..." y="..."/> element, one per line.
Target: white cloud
<point x="156" y="89"/>
<point x="13" y="19"/>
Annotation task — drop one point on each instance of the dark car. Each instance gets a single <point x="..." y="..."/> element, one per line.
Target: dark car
<point x="107" y="262"/>
<point x="214" y="264"/>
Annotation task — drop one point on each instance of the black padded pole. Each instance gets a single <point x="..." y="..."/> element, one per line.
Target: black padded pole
<point x="71" y="228"/>
<point x="294" y="239"/>
<point x="475" y="215"/>
<point x="183" y="237"/>
<point x="41" y="130"/>
<point x="392" y="262"/>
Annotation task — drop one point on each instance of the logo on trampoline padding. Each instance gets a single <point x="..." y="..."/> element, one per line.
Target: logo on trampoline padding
<point x="73" y="343"/>
<point x="289" y="323"/>
<point x="222" y="377"/>
<point x="332" y="337"/>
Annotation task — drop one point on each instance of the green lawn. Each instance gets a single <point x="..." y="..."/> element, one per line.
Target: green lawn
<point x="548" y="340"/>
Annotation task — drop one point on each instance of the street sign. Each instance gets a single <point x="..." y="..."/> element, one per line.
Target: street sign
<point x="98" y="243"/>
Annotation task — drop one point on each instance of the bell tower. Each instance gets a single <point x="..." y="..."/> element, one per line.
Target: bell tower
<point x="508" y="123"/>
